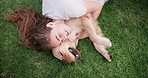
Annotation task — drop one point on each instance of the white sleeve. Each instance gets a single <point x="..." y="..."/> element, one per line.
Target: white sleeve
<point x="63" y="9"/>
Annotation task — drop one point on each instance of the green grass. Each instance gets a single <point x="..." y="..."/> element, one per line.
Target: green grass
<point x="124" y="22"/>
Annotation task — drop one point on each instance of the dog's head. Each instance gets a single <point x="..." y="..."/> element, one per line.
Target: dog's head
<point x="67" y="52"/>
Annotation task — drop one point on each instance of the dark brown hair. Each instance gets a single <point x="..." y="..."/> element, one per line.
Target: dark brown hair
<point x="32" y="28"/>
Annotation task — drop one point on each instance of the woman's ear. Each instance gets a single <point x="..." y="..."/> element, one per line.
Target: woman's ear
<point x="50" y="24"/>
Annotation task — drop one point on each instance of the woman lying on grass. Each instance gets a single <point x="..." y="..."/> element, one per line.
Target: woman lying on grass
<point x="43" y="33"/>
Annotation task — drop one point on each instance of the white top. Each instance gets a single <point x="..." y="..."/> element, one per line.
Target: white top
<point x="63" y="9"/>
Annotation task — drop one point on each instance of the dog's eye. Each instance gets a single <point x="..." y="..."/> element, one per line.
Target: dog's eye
<point x="61" y="54"/>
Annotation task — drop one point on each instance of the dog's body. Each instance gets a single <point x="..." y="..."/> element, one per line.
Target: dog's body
<point x="82" y="28"/>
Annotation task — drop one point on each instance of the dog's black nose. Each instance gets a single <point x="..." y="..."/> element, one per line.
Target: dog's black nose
<point x="72" y="63"/>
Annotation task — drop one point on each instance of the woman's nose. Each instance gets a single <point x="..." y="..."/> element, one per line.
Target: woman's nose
<point x="69" y="29"/>
<point x="64" y="38"/>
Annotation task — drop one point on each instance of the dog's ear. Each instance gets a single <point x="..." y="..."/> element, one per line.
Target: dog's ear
<point x="50" y="24"/>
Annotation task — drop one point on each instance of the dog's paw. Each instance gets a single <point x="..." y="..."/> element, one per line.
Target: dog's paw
<point x="108" y="57"/>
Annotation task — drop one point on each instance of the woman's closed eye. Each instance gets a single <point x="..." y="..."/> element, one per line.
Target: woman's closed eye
<point x="58" y="37"/>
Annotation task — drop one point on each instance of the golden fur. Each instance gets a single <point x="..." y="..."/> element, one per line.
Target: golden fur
<point x="85" y="27"/>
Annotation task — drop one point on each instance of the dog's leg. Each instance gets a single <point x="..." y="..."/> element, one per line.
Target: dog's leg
<point x="88" y="26"/>
<point x="103" y="51"/>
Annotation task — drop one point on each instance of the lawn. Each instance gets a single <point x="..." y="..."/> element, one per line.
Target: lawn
<point x="124" y="22"/>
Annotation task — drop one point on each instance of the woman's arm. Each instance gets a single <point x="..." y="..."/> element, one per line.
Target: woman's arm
<point x="94" y="8"/>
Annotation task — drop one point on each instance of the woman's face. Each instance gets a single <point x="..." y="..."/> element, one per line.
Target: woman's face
<point x="59" y="33"/>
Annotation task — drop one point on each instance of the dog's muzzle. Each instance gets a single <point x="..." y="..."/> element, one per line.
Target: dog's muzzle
<point x="75" y="52"/>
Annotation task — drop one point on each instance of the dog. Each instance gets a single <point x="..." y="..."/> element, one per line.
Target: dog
<point x="82" y="28"/>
